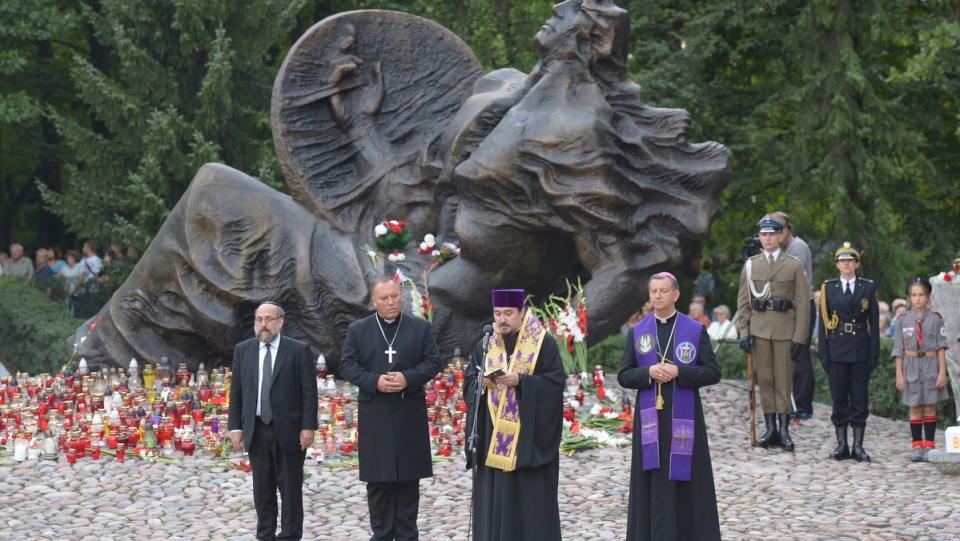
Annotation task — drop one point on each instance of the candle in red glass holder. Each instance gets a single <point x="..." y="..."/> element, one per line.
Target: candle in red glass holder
<point x="72" y="456"/>
<point x="198" y="414"/>
<point x="164" y="431"/>
<point x="598" y="376"/>
<point x="95" y="452"/>
<point x="133" y="436"/>
<point x="346" y="446"/>
<point x="445" y="449"/>
<point x="121" y="454"/>
<point x="569" y="412"/>
<point x="113" y="440"/>
<point x="579" y="396"/>
<point x="204" y="393"/>
<point x="188" y="447"/>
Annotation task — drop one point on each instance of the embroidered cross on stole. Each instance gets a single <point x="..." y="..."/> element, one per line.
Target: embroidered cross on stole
<point x="503" y="403"/>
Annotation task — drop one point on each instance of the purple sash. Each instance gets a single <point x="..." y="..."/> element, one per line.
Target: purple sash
<point x="685" y="342"/>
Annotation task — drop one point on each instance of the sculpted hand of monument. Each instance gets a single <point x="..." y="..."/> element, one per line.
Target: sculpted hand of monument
<point x="346" y="65"/>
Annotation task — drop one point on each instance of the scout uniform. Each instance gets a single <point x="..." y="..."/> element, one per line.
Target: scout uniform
<point x="917" y="340"/>
<point x="849" y="328"/>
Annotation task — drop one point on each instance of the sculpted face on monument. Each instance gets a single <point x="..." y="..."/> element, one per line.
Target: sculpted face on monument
<point x="562" y="173"/>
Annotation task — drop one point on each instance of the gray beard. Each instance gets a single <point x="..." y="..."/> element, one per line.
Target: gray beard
<point x="271" y="336"/>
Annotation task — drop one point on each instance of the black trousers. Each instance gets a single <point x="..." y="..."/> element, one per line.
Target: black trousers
<point x="393" y="510"/>
<point x="274" y="469"/>
<point x="849" y="384"/>
<point x="804" y="383"/>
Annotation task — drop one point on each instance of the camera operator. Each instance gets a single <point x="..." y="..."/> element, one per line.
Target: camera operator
<point x="804" y="382"/>
<point x="774" y="322"/>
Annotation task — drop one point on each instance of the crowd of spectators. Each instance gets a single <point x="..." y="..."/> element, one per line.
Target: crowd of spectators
<point x="82" y="280"/>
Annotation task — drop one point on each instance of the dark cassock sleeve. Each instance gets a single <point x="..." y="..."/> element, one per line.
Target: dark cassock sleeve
<point x="350" y="367"/>
<point x="429" y="362"/>
<point x="541" y="408"/>
<point x="705" y="372"/>
<point x="631" y="375"/>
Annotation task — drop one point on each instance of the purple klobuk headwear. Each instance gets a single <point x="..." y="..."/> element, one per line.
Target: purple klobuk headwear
<point x="508" y="298"/>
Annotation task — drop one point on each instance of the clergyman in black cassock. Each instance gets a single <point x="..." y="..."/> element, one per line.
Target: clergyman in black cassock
<point x="390" y="356"/>
<point x="661" y="508"/>
<point x="520" y="504"/>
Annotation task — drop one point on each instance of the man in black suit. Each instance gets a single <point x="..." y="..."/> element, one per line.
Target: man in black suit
<point x="273" y="416"/>
<point x="390" y="356"/>
<point x="849" y="331"/>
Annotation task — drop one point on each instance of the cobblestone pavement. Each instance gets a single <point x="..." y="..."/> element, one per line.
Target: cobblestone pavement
<point x="762" y="494"/>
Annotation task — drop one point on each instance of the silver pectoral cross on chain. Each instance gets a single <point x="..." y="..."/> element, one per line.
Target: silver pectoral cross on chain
<point x="390" y="351"/>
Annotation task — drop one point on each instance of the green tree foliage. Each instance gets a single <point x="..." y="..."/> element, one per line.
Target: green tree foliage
<point x="801" y="93"/>
<point x="842" y="114"/>
<point x="29" y="145"/>
<point x="184" y="83"/>
<point x="36" y="328"/>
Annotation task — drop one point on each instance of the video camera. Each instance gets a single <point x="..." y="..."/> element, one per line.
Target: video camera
<point x="751" y="247"/>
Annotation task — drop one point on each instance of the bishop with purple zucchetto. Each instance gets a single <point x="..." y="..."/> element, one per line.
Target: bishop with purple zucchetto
<point x="667" y="359"/>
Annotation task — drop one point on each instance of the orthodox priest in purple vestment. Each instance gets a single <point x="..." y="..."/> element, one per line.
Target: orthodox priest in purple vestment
<point x="518" y="426"/>
<point x="667" y="359"/>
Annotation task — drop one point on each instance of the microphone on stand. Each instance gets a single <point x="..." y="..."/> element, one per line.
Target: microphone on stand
<point x="471" y="448"/>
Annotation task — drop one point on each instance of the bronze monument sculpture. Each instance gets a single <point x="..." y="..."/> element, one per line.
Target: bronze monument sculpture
<point x="377" y="115"/>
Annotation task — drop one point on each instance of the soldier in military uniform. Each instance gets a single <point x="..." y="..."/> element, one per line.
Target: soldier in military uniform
<point x="774" y="306"/>
<point x="849" y="331"/>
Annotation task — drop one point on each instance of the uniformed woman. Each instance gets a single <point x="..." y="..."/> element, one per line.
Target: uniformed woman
<point x="849" y="328"/>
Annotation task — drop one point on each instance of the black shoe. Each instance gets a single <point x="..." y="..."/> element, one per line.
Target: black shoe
<point x="770" y="437"/>
<point x="842" y="452"/>
<point x="858" y="452"/>
<point x="785" y="442"/>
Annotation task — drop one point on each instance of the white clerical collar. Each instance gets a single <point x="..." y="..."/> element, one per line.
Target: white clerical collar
<point x="665" y="319"/>
<point x="389" y="321"/>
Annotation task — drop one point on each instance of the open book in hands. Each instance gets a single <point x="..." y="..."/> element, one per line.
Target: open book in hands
<point x="494" y="374"/>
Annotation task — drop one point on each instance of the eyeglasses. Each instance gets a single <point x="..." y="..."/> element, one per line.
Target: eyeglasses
<point x="262" y="320"/>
